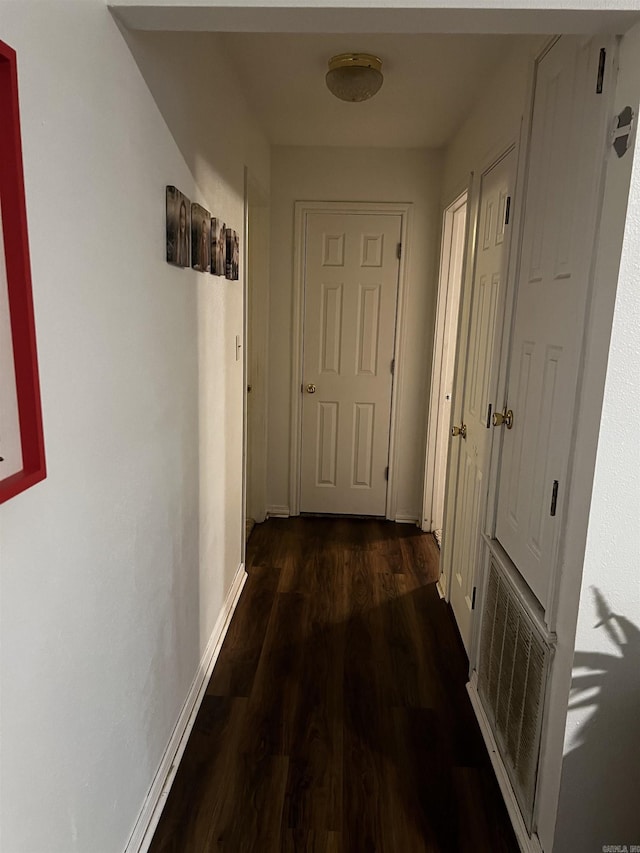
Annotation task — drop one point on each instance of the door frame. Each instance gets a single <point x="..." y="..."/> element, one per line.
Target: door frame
<point x="462" y="378"/>
<point x="254" y="350"/>
<point x="256" y="334"/>
<point x="302" y="211"/>
<point x="245" y="364"/>
<point x="511" y="141"/>
<point x="442" y="317"/>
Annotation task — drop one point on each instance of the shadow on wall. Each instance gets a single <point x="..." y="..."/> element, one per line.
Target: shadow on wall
<point x="601" y="773"/>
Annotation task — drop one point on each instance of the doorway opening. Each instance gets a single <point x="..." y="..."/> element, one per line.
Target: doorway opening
<point x="347" y="333"/>
<point x="256" y="310"/>
<point x="452" y="257"/>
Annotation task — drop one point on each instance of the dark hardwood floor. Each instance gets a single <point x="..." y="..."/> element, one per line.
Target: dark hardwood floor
<point x="337" y="719"/>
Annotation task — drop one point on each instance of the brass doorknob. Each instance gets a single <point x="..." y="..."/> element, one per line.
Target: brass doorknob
<point x="311" y="388"/>
<point x="461" y="430"/>
<point x="503" y="418"/>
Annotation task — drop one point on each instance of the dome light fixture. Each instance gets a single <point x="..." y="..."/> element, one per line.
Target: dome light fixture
<point x="354" y="76"/>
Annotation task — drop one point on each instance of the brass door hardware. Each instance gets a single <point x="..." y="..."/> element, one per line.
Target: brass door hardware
<point x="461" y="430"/>
<point x="503" y="418"/>
<point x="311" y="388"/>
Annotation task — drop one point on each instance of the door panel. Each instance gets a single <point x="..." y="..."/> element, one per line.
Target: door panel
<point x="487" y="309"/>
<point x="351" y="284"/>
<point x="558" y="235"/>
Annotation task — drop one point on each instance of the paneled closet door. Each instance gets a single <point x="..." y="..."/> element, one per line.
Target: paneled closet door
<point x="463" y="531"/>
<point x="559" y="226"/>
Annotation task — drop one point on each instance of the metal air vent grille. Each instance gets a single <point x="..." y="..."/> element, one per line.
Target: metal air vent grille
<point x="512" y="676"/>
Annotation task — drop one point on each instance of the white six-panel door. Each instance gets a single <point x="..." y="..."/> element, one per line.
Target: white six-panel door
<point x="566" y="153"/>
<point x="350" y="292"/>
<point x="463" y="531"/>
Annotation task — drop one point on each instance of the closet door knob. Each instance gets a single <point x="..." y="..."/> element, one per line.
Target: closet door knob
<point x="503" y="419"/>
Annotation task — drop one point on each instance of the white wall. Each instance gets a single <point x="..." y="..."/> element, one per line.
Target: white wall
<point x="215" y="133"/>
<point x="114" y="569"/>
<point x="602" y="735"/>
<point x="357" y="174"/>
<point x="494" y="121"/>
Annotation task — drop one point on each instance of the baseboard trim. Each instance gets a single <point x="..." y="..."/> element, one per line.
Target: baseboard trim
<point x="528" y="843"/>
<point x="276" y="511"/>
<point x="154" y="803"/>
<point x="407" y="519"/>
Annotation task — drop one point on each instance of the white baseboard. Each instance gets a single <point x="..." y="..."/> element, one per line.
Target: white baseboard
<point x="154" y="803"/>
<point x="275" y="511"/>
<point x="278" y="511"/>
<point x="441" y="588"/>
<point x="528" y="843"/>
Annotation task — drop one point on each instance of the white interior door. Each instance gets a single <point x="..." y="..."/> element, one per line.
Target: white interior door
<point x="478" y="391"/>
<point x="351" y="287"/>
<point x="559" y="226"/>
<point x="444" y="356"/>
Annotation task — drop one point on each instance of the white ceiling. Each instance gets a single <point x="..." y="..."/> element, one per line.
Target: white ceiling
<point x="430" y="81"/>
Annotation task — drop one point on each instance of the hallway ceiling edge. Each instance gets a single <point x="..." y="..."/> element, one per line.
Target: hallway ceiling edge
<point x="415" y="16"/>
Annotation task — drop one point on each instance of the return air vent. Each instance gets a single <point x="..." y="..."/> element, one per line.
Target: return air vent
<point x="512" y="677"/>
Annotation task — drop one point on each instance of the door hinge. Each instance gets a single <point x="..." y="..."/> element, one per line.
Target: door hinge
<point x="393" y="366"/>
<point x="489" y="410"/>
<point x="399" y="250"/>
<point x="507" y="210"/>
<point x="621" y="131"/>
<point x="386" y="473"/>
<point x="473" y="598"/>
<point x="554" y="498"/>
<point x="601" y="66"/>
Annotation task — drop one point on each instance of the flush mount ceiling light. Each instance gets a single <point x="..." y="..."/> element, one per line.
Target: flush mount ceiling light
<point x="354" y="76"/>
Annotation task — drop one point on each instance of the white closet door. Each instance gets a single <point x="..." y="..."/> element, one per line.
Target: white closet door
<point x="566" y="154"/>
<point x="487" y="310"/>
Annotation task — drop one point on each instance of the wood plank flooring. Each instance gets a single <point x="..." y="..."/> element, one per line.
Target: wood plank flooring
<point x="337" y="719"/>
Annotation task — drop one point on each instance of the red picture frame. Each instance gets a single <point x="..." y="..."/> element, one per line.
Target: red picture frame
<point x="20" y="295"/>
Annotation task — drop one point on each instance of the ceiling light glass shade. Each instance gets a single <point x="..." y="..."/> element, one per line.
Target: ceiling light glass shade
<point x="354" y="76"/>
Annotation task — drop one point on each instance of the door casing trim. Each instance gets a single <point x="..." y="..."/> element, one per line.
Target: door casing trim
<point x="302" y="211"/>
<point x="444" y="285"/>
